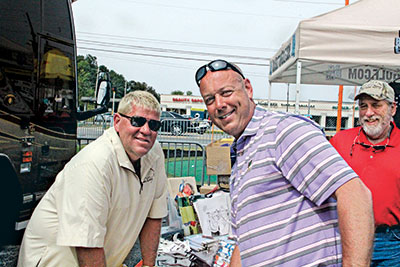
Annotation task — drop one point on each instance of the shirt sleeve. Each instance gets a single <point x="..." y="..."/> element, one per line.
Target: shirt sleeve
<point x="83" y="202"/>
<point x="308" y="160"/>
<point x="159" y="206"/>
<point x="334" y="142"/>
<point x="234" y="229"/>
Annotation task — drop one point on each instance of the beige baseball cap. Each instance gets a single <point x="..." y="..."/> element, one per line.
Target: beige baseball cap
<point x="378" y="90"/>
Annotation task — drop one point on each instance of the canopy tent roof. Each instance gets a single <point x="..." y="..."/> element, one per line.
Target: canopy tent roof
<point x="347" y="46"/>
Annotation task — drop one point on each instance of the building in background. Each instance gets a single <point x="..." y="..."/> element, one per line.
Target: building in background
<point x="192" y="106"/>
<point x="322" y="112"/>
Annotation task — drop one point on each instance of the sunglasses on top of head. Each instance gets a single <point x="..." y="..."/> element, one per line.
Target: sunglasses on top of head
<point x="215" y="65"/>
<point x="138" y="121"/>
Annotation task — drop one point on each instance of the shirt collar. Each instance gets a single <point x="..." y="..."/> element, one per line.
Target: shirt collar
<point x="122" y="156"/>
<point x="253" y="125"/>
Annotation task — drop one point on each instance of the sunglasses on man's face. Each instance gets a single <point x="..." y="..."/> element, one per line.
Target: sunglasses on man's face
<point x="138" y="121"/>
<point x="215" y="65"/>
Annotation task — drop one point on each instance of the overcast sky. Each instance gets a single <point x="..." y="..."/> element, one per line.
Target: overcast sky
<point x="163" y="43"/>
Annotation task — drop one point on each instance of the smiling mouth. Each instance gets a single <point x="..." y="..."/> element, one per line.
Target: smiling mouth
<point x="143" y="140"/>
<point x="226" y="115"/>
<point x="371" y="121"/>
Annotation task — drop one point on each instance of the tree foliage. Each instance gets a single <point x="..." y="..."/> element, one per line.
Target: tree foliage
<point x="177" y="92"/>
<point x="87" y="74"/>
<point x="118" y="83"/>
<point x="133" y="86"/>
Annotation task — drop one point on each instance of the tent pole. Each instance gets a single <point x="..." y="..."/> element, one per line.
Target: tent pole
<point x="339" y="110"/>
<point x="287" y="98"/>
<point x="340" y="99"/>
<point x="298" y="77"/>
<point x="269" y="95"/>
<point x="354" y="107"/>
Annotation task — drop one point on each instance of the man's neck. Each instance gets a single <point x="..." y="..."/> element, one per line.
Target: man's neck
<point x="381" y="137"/>
<point x="250" y="117"/>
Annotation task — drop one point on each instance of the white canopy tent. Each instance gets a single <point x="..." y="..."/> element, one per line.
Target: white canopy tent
<point x="347" y="46"/>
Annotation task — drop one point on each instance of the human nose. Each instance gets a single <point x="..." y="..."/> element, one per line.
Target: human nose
<point x="145" y="129"/>
<point x="219" y="102"/>
<point x="370" y="111"/>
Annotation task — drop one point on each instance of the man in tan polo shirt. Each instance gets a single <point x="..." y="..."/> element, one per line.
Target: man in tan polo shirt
<point x="108" y="195"/>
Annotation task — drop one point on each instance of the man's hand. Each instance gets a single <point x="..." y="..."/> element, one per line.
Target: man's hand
<point x="91" y="257"/>
<point x="149" y="238"/>
<point x="356" y="222"/>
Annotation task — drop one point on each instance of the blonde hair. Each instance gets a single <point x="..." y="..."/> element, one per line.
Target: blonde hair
<point x="141" y="99"/>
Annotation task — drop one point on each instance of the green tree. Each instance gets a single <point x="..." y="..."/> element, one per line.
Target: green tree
<point x="118" y="82"/>
<point x="189" y="93"/>
<point x="133" y="86"/>
<point x="177" y="92"/>
<point x="87" y="74"/>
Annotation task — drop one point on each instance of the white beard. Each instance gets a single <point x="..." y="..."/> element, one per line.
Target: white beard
<point x="376" y="131"/>
<point x="373" y="131"/>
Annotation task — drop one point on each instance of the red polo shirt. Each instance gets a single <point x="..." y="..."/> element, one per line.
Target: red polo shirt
<point x="380" y="171"/>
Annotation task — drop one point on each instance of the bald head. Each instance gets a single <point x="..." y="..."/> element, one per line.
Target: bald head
<point x="228" y="97"/>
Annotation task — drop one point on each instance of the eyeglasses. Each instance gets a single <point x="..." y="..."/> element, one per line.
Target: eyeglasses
<point x="138" y="121"/>
<point x="215" y="65"/>
<point x="376" y="148"/>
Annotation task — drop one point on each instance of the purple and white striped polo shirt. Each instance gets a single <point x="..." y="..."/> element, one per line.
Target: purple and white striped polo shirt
<point x="281" y="183"/>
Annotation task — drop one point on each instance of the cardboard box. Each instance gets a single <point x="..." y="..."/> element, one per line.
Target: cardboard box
<point x="205" y="189"/>
<point x="219" y="157"/>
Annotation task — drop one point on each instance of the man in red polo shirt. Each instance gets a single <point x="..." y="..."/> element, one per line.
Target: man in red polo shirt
<point x="373" y="152"/>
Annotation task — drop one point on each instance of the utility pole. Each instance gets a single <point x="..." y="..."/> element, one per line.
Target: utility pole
<point x="113" y="101"/>
<point x="97" y="80"/>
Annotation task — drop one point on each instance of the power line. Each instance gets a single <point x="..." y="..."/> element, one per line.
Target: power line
<point x="165" y="50"/>
<point x="164" y="56"/>
<point x="172" y="42"/>
<point x="158" y="63"/>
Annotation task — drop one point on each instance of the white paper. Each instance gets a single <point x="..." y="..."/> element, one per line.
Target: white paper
<point x="214" y="214"/>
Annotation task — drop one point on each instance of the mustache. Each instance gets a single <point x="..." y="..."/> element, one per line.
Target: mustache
<point x="372" y="118"/>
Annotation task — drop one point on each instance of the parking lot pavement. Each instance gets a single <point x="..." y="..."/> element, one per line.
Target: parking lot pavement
<point x="8" y="256"/>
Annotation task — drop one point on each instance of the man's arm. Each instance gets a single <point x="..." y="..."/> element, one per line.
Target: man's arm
<point x="356" y="222"/>
<point x="91" y="257"/>
<point x="149" y="238"/>
<point x="235" y="259"/>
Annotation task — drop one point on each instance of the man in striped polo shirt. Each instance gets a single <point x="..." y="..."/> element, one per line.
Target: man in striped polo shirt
<point x="291" y="192"/>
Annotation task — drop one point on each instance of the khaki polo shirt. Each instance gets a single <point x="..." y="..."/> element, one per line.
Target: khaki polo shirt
<point x="96" y="202"/>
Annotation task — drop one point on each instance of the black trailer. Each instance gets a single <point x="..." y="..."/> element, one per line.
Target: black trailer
<point x="38" y="105"/>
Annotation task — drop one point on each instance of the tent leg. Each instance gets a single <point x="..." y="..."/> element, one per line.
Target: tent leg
<point x="269" y="95"/>
<point x="339" y="110"/>
<point x="287" y="98"/>
<point x="354" y="108"/>
<point x="298" y="77"/>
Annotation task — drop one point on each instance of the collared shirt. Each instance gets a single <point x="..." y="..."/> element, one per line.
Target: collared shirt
<point x="281" y="187"/>
<point x="379" y="170"/>
<point x="96" y="202"/>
